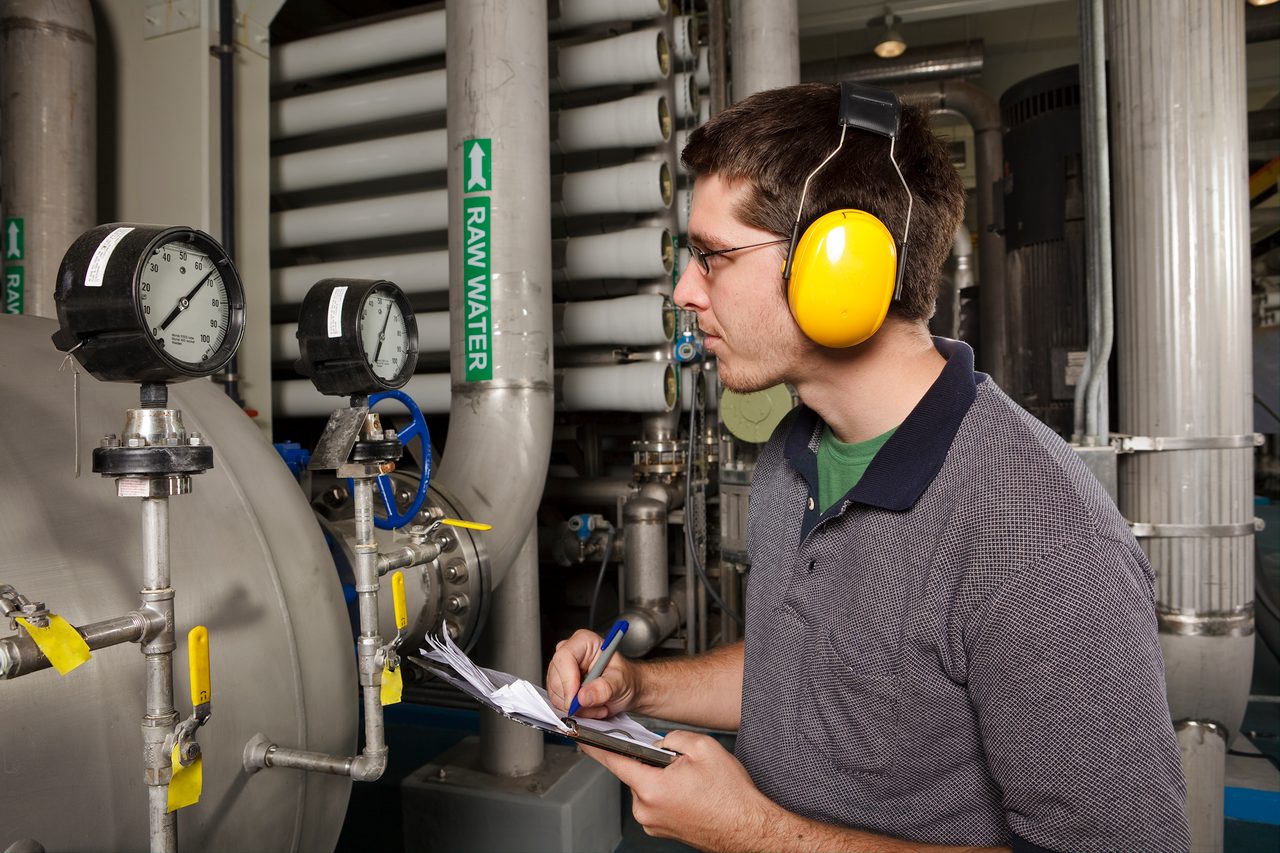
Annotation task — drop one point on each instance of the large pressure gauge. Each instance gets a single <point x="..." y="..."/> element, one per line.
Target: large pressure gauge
<point x="147" y="303"/>
<point x="356" y="337"/>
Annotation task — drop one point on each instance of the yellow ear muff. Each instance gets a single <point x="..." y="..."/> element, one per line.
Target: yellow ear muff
<point x="842" y="278"/>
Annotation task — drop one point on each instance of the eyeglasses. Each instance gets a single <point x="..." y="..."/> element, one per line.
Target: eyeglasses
<point x="704" y="258"/>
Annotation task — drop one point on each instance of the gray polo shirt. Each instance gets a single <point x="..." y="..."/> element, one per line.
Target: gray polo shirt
<point x="963" y="649"/>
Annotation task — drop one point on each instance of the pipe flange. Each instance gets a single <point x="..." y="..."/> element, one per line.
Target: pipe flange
<point x="152" y="461"/>
<point x="257" y="753"/>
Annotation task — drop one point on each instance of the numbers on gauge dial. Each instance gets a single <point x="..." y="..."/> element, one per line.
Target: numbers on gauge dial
<point x="184" y="302"/>
<point x="384" y="336"/>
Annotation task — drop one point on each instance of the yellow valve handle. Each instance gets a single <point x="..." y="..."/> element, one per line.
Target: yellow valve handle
<point x="468" y="525"/>
<point x="198" y="659"/>
<point x="184" y="787"/>
<point x="59" y="642"/>
<point x="397" y="598"/>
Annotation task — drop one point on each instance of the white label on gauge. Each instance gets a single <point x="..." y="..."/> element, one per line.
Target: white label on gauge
<point x="335" y="311"/>
<point x="102" y="254"/>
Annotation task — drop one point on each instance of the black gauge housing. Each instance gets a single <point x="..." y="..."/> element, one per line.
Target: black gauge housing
<point x="330" y="346"/>
<point x="101" y="315"/>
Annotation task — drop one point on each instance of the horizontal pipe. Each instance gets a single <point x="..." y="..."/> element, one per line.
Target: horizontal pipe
<point x="298" y="398"/>
<point x="640" y="387"/>
<point x="585" y="13"/>
<point x="688" y="98"/>
<point x="589" y="491"/>
<point x="933" y="62"/>
<point x="388" y="157"/>
<point x="365" y="46"/>
<point x="395" y="97"/>
<point x="643" y="187"/>
<point x="646" y="319"/>
<point x="415" y="272"/>
<point x="641" y="56"/>
<point x="19" y="654"/>
<point x="638" y="121"/>
<point x="433" y="336"/>
<point x="684" y="39"/>
<point x="383" y="216"/>
<point x="635" y="253"/>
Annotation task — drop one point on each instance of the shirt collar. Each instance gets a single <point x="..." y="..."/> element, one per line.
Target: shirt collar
<point x="906" y="465"/>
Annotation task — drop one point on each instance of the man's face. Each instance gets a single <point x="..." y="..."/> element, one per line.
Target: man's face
<point x="740" y="304"/>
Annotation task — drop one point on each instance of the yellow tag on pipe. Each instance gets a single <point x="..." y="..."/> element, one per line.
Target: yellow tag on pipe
<point x="198" y="661"/>
<point x="60" y="643"/>
<point x="184" y="787"/>
<point x="392" y="685"/>
<point x="397" y="598"/>
<point x="469" y="525"/>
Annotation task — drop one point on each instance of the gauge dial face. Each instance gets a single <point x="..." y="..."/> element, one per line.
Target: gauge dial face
<point x="184" y="303"/>
<point x="384" y="335"/>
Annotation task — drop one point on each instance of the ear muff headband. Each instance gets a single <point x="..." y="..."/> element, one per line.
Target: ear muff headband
<point x="844" y="271"/>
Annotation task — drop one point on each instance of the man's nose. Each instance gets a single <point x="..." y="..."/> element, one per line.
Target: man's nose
<point x="690" y="293"/>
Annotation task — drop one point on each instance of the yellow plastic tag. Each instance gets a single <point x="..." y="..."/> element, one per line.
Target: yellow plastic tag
<point x="184" y="788"/>
<point x="469" y="525"/>
<point x="392" y="685"/>
<point x="60" y="642"/>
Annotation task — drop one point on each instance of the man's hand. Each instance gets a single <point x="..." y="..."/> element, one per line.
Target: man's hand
<point x="704" y="798"/>
<point x="613" y="692"/>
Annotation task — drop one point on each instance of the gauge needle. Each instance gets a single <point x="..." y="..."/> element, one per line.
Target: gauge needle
<point x="377" y="353"/>
<point x="185" y="301"/>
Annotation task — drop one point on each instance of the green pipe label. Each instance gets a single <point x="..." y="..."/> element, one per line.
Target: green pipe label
<point x="15" y="289"/>
<point x="475" y="272"/>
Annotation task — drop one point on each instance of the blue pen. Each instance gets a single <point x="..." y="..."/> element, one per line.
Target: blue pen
<point x="607" y="648"/>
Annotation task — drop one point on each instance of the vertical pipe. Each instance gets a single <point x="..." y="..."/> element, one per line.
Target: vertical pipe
<point x="227" y="151"/>
<point x="500" y="427"/>
<point x="1182" y="283"/>
<point x="366" y="572"/>
<point x="1097" y="170"/>
<point x="717" y="36"/>
<point x="160" y="718"/>
<point x="765" y="41"/>
<point x="507" y="748"/>
<point x="47" y="143"/>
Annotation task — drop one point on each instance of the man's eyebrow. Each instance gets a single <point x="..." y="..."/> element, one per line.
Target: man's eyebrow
<point x="706" y="242"/>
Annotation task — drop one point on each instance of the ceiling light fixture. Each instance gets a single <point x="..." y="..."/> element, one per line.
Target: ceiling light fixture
<point x="890" y="42"/>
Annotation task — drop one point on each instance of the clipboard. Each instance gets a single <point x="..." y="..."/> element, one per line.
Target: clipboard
<point x="649" y="755"/>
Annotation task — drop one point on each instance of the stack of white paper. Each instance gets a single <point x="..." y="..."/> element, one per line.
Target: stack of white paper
<point x="517" y="698"/>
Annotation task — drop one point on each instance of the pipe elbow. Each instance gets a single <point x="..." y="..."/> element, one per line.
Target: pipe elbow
<point x="369" y="766"/>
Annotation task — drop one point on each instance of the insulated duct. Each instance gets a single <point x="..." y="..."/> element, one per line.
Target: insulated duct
<point x="584" y="13"/>
<point x="931" y="62"/>
<point x="388" y="157"/>
<point x="414" y="272"/>
<point x="981" y="111"/>
<point x="366" y="46"/>
<point x="1177" y="87"/>
<point x="639" y="121"/>
<point x="642" y="56"/>
<point x="48" y="137"/>
<point x="363" y="103"/>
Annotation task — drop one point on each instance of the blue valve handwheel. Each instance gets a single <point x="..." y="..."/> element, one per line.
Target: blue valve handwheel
<point x="417" y="428"/>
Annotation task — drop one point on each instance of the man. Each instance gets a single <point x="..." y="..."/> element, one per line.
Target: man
<point x="951" y="645"/>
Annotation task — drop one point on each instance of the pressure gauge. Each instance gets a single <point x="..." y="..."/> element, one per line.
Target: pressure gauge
<point x="148" y="303"/>
<point x="356" y="336"/>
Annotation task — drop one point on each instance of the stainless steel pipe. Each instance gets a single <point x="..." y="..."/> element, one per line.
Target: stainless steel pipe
<point x="160" y="718"/>
<point x="19" y="654"/>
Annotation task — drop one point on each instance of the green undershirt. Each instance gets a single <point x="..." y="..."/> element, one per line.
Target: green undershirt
<point x="841" y="466"/>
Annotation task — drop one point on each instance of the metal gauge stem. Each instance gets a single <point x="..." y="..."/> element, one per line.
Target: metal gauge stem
<point x="146" y="303"/>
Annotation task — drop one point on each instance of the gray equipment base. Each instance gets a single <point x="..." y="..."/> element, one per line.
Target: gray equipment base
<point x="571" y="804"/>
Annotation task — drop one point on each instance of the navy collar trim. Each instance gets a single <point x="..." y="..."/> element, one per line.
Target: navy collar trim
<point x="906" y="465"/>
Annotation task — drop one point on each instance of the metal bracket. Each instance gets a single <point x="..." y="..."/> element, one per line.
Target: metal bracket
<point x="1147" y="443"/>
<point x="340" y="434"/>
<point x="1195" y="531"/>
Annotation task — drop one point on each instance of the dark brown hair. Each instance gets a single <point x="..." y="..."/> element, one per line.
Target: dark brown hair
<point x="774" y="139"/>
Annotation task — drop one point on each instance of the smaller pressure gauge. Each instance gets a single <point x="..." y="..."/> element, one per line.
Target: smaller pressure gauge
<point x="146" y="303"/>
<point x="356" y="337"/>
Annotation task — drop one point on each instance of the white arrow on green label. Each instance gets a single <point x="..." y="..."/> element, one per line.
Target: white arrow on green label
<point x="14" y="250"/>
<point x="477" y="157"/>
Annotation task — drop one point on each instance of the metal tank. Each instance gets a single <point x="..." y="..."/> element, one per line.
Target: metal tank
<point x="248" y="562"/>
